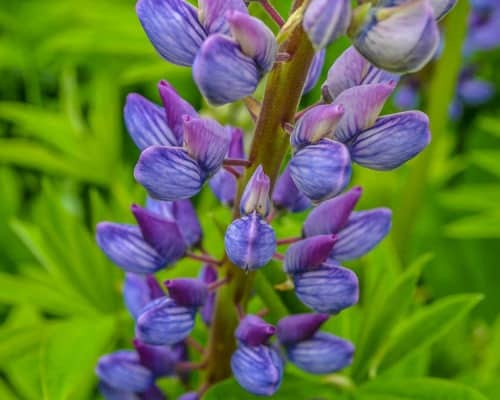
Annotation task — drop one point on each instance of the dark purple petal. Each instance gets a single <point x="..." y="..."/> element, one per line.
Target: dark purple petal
<point x="163" y="322"/>
<point x="322" y="354"/>
<point x="138" y="291"/>
<point x="187" y="292"/>
<point x="286" y="195"/>
<point x="168" y="173"/>
<point x="393" y="140"/>
<point x="223" y="73"/>
<point x="122" y="370"/>
<point x="153" y="393"/>
<point x="160" y="360"/>
<point x="254" y="331"/>
<point x="163" y="235"/>
<point x="208" y="274"/>
<point x="308" y="254"/>
<point x="362" y="105"/>
<point x="250" y="242"/>
<point x="329" y="289"/>
<point x="110" y="393"/>
<point x="146" y="123"/>
<point x="213" y="13"/>
<point x="314" y="71"/>
<point x="322" y="170"/>
<point x="173" y="28"/>
<point x="125" y="246"/>
<point x="258" y="369"/>
<point x="299" y="327"/>
<point x="363" y="231"/>
<point x="331" y="216"/>
<point x="175" y="109"/>
<point x="207" y="142"/>
<point x="255" y="197"/>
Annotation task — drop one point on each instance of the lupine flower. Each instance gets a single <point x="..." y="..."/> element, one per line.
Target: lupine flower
<point x="314" y="72"/>
<point x="208" y="275"/>
<point x="254" y="331"/>
<point x="249" y="241"/>
<point x="138" y="291"/>
<point x="287" y="196"/>
<point x="484" y="27"/>
<point x="160" y="360"/>
<point x="187" y="292"/>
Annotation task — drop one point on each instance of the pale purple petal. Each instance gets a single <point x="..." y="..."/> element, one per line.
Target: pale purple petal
<point x="287" y="196"/>
<point x="256" y="194"/>
<point x="110" y="393"/>
<point x="213" y="13"/>
<point x="138" y="291"/>
<point x="314" y="72"/>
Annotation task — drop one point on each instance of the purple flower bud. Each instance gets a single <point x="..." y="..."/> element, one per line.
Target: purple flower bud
<point x="208" y="275"/>
<point x="187" y="292"/>
<point x="406" y="97"/>
<point x="317" y="123"/>
<point x="207" y="142"/>
<point x="299" y="327"/>
<point x="176" y="108"/>
<point x="213" y="13"/>
<point x="328" y="289"/>
<point x="168" y="173"/>
<point x="331" y="216"/>
<point x="122" y="370"/>
<point x="146" y="123"/>
<point x="250" y="242"/>
<point x="153" y="393"/>
<point x="173" y="28"/>
<point x="308" y="254"/>
<point x="363" y="231"/>
<point x="164" y="322"/>
<point x="393" y="140"/>
<point x="326" y="20"/>
<point x="314" y="71"/>
<point x="256" y="194"/>
<point x="189" y="396"/>
<point x="322" y="354"/>
<point x="322" y="170"/>
<point x="475" y="92"/>
<point x="362" y="105"/>
<point x="138" y="291"/>
<point x="256" y="40"/>
<point x="286" y="195"/>
<point x="110" y="393"/>
<point x="352" y="69"/>
<point x="258" y="369"/>
<point x="160" y="360"/>
<point x="254" y="331"/>
<point x="223" y="73"/>
<point x="399" y="39"/>
<point x="223" y="183"/>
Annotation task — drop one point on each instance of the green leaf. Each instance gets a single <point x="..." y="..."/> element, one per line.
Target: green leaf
<point x="487" y="160"/>
<point x="417" y="389"/>
<point x="423" y="328"/>
<point x="475" y="227"/>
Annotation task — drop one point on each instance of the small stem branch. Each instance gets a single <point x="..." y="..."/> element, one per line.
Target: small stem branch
<point x="236" y="162"/>
<point x="273" y="13"/>
<point x="204" y="258"/>
<point x="232" y="171"/>
<point x="186" y="366"/>
<point x="192" y="342"/>
<point x="302" y="112"/>
<point x="214" y="285"/>
<point x="290" y="240"/>
<point x="253" y="107"/>
<point x="279" y="257"/>
<point x="263" y="312"/>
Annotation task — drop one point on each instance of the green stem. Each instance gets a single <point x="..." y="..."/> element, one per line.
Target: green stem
<point x="269" y="146"/>
<point x="441" y="92"/>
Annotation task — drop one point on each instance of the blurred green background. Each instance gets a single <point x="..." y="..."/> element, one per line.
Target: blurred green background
<point x="430" y="293"/>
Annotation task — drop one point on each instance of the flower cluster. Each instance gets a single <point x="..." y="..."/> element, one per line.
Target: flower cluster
<point x="230" y="52"/>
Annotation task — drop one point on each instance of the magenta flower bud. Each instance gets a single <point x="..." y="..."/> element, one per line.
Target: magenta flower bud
<point x="187" y="292"/>
<point x="317" y="123"/>
<point x="328" y="289"/>
<point x="256" y="194"/>
<point x="326" y="20"/>
<point x="331" y="216"/>
<point x="314" y="72"/>
<point x="138" y="291"/>
<point x="299" y="327"/>
<point x="254" y="331"/>
<point x="399" y="39"/>
<point x="256" y="40"/>
<point x="258" y="369"/>
<point x="164" y="322"/>
<point x="352" y="69"/>
<point x="321" y="170"/>
<point x="321" y="354"/>
<point x="250" y="242"/>
<point x="287" y="196"/>
<point x="207" y="142"/>
<point x="208" y="275"/>
<point x="308" y="254"/>
<point x="160" y="360"/>
<point x="123" y="370"/>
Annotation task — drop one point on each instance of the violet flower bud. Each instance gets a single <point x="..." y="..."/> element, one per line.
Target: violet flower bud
<point x="321" y="170"/>
<point x="250" y="242"/>
<point x="189" y="396"/>
<point x="321" y="354"/>
<point x="255" y="198"/>
<point x="317" y="123"/>
<point x="254" y="331"/>
<point x="160" y="360"/>
<point x="208" y="275"/>
<point x="123" y="370"/>
<point x="308" y="254"/>
<point x="326" y="20"/>
<point x="328" y="289"/>
<point x="164" y="322"/>
<point x="314" y="72"/>
<point x="258" y="369"/>
<point x="299" y="327"/>
<point x="138" y="291"/>
<point x="352" y="69"/>
<point x="187" y="292"/>
<point x="398" y="39"/>
<point x="287" y="196"/>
